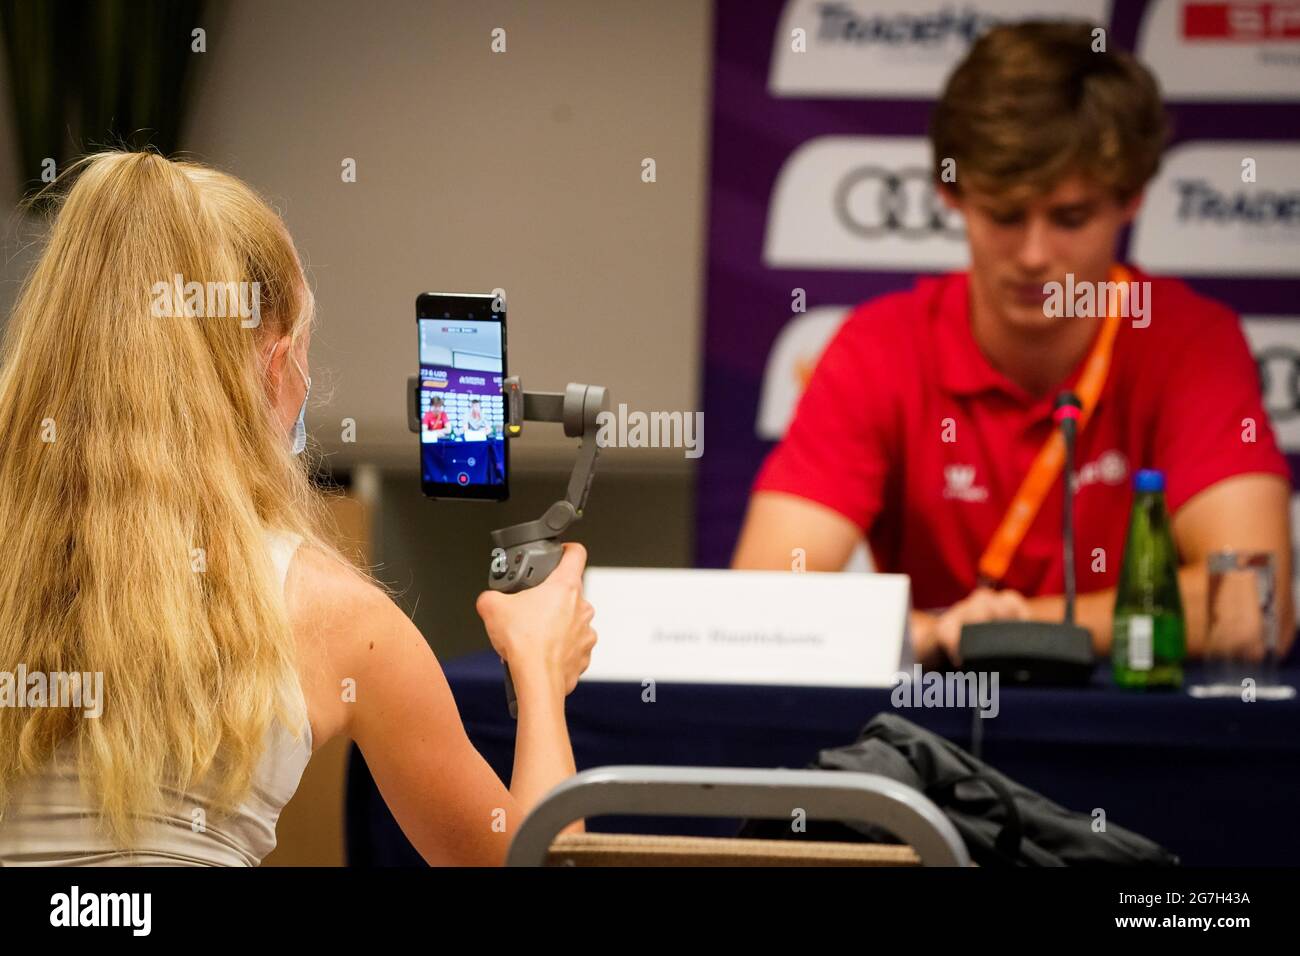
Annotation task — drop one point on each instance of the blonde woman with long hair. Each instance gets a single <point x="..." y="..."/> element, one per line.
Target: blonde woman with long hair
<point x="160" y="531"/>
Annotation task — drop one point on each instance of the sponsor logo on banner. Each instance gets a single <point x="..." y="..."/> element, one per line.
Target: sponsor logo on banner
<point x="1275" y="343"/>
<point x="1243" y="22"/>
<point x="861" y="202"/>
<point x="1199" y="218"/>
<point x="1223" y="50"/>
<point x="790" y="365"/>
<point x="891" y="48"/>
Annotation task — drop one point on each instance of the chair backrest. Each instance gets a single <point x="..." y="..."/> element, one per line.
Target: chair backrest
<point x="731" y="792"/>
<point x="622" y="849"/>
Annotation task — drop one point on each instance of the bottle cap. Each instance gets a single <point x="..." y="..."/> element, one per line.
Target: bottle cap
<point x="1148" y="479"/>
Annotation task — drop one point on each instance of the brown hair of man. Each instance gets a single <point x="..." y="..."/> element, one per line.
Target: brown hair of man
<point x="1033" y="102"/>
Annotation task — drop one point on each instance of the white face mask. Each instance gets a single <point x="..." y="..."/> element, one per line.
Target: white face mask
<point x="300" y="426"/>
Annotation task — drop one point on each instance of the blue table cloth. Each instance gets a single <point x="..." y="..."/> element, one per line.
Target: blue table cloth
<point x="1215" y="780"/>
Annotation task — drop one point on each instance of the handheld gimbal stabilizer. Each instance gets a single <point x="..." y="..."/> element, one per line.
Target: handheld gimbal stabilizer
<point x="524" y="554"/>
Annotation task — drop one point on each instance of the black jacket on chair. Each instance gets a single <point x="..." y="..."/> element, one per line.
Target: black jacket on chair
<point x="1003" y="823"/>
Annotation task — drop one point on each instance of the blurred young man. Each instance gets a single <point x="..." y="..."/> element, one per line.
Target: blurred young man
<point x="929" y="407"/>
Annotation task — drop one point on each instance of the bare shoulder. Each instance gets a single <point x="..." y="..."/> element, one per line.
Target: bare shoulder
<point x="340" y="618"/>
<point x="324" y="588"/>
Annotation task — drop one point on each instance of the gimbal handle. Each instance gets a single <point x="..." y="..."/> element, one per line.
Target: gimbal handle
<point x="523" y="555"/>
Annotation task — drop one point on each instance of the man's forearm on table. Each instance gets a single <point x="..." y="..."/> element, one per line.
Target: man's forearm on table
<point x="1096" y="609"/>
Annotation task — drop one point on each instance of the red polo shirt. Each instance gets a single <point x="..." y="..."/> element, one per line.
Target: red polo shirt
<point x="904" y="372"/>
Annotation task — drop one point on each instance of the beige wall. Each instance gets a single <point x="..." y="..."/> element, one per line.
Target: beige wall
<point x="475" y="170"/>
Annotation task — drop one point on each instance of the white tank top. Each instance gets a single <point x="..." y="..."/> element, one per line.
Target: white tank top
<point x="48" y="822"/>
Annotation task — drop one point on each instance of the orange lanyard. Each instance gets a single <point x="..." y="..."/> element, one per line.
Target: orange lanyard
<point x="1051" y="457"/>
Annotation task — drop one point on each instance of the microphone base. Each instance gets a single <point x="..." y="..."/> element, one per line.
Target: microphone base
<point x="1029" y="653"/>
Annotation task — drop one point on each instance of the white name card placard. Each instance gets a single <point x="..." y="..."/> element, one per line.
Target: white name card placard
<point x="747" y="627"/>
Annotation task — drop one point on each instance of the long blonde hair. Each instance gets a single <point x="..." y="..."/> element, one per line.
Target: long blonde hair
<point x="140" y="466"/>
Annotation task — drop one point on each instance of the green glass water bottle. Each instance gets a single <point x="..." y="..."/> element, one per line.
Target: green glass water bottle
<point x="1149" y="637"/>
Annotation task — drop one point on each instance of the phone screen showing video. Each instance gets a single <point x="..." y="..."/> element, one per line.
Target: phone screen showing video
<point x="462" y="409"/>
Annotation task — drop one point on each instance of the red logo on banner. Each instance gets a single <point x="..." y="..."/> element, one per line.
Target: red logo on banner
<point x="1243" y="22"/>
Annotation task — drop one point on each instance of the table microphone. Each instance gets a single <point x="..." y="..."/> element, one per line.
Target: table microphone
<point x="1039" y="652"/>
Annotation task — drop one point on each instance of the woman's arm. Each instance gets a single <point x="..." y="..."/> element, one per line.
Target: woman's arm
<point x="545" y="633"/>
<point x="543" y="756"/>
<point x="447" y="800"/>
<point x="394" y="701"/>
